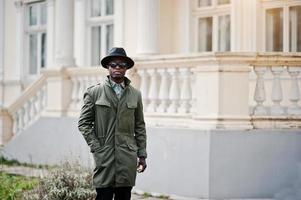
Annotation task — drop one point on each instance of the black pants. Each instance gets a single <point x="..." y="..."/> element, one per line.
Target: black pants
<point x="119" y="193"/>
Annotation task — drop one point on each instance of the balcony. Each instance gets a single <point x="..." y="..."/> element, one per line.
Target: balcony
<point x="205" y="91"/>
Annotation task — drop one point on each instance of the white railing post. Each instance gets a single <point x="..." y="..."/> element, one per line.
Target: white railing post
<point x="163" y="91"/>
<point x="294" y="96"/>
<point x="174" y="93"/>
<point x="277" y="95"/>
<point x="259" y="93"/>
<point x="144" y="85"/>
<point x="153" y="90"/>
<point x="185" y="96"/>
<point x="193" y="93"/>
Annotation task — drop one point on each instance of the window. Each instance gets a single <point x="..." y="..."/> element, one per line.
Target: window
<point x="274" y="29"/>
<point x="36" y="37"/>
<point x="212" y="25"/>
<point x="283" y="26"/>
<point x="101" y="28"/>
<point x="295" y="29"/>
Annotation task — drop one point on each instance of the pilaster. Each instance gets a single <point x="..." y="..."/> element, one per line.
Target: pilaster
<point x="50" y="33"/>
<point x="64" y="29"/>
<point x="148" y="26"/>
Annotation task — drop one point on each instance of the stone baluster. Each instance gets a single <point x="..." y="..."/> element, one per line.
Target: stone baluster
<point x="144" y="85"/>
<point x="185" y="96"/>
<point x="33" y="102"/>
<point x="277" y="95"/>
<point x="15" y="123"/>
<point x="294" y="96"/>
<point x="75" y="92"/>
<point x="81" y="91"/>
<point x="259" y="94"/>
<point x="22" y="117"/>
<point x="174" y="94"/>
<point x="153" y="90"/>
<point x="163" y="91"/>
<point x="193" y="93"/>
<point x="40" y="100"/>
<point x="27" y="116"/>
<point x="44" y="96"/>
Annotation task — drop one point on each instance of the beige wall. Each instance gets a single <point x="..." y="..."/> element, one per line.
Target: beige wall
<point x="166" y="36"/>
<point x="10" y="39"/>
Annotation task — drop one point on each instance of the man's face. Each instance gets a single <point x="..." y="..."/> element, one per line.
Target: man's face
<point x="117" y="68"/>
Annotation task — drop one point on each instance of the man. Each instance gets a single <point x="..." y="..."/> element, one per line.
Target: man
<point x="112" y="124"/>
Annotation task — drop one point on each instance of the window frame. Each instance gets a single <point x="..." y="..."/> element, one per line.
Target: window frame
<point x="101" y="21"/>
<point x="270" y="4"/>
<point x="38" y="29"/>
<point x="214" y="11"/>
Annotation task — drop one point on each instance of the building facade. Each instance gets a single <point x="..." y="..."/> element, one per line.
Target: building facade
<point x="219" y="80"/>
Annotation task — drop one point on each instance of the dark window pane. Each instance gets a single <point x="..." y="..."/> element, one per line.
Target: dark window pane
<point x="95" y="8"/>
<point x="295" y="29"/>
<point x="43" y="50"/>
<point x="96" y="45"/>
<point x="110" y="37"/>
<point x="109" y="7"/>
<point x="205" y="34"/>
<point x="274" y="29"/>
<point x="33" y="15"/>
<point x="33" y="45"/>
<point x="224" y="33"/>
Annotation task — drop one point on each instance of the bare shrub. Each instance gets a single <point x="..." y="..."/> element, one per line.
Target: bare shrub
<point x="68" y="182"/>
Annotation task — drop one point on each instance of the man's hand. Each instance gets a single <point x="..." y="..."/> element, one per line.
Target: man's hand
<point x="141" y="165"/>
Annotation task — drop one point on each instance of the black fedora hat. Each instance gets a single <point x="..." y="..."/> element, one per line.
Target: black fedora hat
<point x="117" y="52"/>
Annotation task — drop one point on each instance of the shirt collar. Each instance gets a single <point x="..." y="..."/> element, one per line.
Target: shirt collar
<point x="114" y="84"/>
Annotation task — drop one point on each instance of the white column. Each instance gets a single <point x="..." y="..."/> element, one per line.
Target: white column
<point x="183" y="33"/>
<point x="64" y="28"/>
<point x="19" y="69"/>
<point x="50" y="33"/>
<point x="79" y="32"/>
<point x="119" y="23"/>
<point x="243" y="25"/>
<point x="148" y="26"/>
<point x="2" y="14"/>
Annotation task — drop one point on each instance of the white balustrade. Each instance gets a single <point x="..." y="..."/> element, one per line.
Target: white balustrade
<point x="277" y="95"/>
<point x="174" y="92"/>
<point x="163" y="91"/>
<point x="294" y="96"/>
<point x="144" y="85"/>
<point x="29" y="110"/>
<point x="193" y="93"/>
<point x="259" y="94"/>
<point x="185" y="96"/>
<point x="153" y="90"/>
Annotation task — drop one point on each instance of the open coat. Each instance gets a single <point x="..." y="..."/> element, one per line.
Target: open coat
<point x="115" y="131"/>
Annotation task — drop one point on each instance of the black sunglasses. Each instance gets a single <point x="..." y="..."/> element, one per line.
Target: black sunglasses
<point x="114" y="65"/>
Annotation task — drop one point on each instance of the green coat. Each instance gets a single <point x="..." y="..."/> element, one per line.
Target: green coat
<point x="115" y="131"/>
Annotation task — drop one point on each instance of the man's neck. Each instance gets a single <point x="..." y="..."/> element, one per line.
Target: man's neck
<point x="118" y="81"/>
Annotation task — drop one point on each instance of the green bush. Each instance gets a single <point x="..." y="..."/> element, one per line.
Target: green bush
<point x="11" y="186"/>
<point x="69" y="182"/>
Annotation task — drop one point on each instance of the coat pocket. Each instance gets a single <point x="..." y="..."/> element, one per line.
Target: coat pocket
<point x="104" y="157"/>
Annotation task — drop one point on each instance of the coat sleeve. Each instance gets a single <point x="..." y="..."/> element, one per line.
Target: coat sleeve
<point x="86" y="123"/>
<point x="140" y="132"/>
